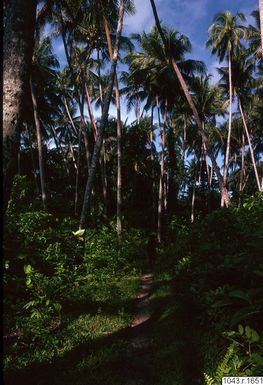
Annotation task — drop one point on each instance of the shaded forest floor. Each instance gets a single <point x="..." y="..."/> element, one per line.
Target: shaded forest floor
<point x="150" y="340"/>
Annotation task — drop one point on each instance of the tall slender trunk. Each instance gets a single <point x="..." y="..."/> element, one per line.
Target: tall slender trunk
<point x="119" y="160"/>
<point x="138" y="111"/>
<point x="161" y="183"/>
<point x="152" y="171"/>
<point x="39" y="146"/>
<point x="102" y="159"/>
<point x="261" y="23"/>
<point x="184" y="137"/>
<point x="226" y="161"/>
<point x="119" y="135"/>
<point x="70" y="117"/>
<point x="72" y="152"/>
<point x="77" y="177"/>
<point x="222" y="186"/>
<point x="104" y="120"/>
<point x="193" y="197"/>
<point x="249" y="144"/>
<point x="60" y="150"/>
<point x="17" y="55"/>
<point x="242" y="171"/>
<point x="19" y="160"/>
<point x="33" y="160"/>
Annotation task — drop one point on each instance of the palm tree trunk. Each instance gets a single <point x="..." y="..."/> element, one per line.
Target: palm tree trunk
<point x="17" y="55"/>
<point x="119" y="136"/>
<point x="193" y="200"/>
<point x="77" y="177"/>
<point x="249" y="144"/>
<point x="161" y="183"/>
<point x="119" y="160"/>
<point x="102" y="159"/>
<point x="222" y="186"/>
<point x="60" y="150"/>
<point x="242" y="171"/>
<point x="104" y="120"/>
<point x="33" y="161"/>
<point x="138" y="111"/>
<point x="39" y="146"/>
<point x="70" y="117"/>
<point x="261" y="23"/>
<point x="72" y="152"/>
<point x="229" y="123"/>
<point x="153" y="174"/>
<point x="184" y="137"/>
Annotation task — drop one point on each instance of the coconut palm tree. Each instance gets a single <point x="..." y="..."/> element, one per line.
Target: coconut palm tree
<point x="225" y="36"/>
<point x="223" y="189"/>
<point x="104" y="119"/>
<point x="242" y="81"/>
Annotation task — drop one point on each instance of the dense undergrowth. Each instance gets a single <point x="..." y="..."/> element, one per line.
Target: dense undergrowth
<point x="210" y="298"/>
<point x="63" y="292"/>
<point x="68" y="297"/>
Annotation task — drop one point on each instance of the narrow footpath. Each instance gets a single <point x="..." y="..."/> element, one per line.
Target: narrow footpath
<point x="139" y="367"/>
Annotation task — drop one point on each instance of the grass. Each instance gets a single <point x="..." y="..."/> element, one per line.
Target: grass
<point x="89" y="347"/>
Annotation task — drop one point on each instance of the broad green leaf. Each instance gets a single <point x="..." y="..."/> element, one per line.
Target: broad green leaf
<point x="248" y="331"/>
<point x="28" y="269"/>
<point x="79" y="233"/>
<point x="240" y="329"/>
<point x="254" y="336"/>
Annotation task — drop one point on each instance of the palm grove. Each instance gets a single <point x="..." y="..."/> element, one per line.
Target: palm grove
<point x="193" y="147"/>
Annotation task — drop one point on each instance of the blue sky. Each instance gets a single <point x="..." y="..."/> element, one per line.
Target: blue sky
<point x="190" y="17"/>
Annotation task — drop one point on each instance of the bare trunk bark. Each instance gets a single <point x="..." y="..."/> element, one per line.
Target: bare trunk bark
<point x="249" y="144"/>
<point x="104" y="120"/>
<point x="77" y="177"/>
<point x="70" y="117"/>
<point x="17" y="55"/>
<point x="261" y="23"/>
<point x="39" y="146"/>
<point x="119" y="160"/>
<point x="242" y="171"/>
<point x="102" y="159"/>
<point x="33" y="161"/>
<point x="161" y="184"/>
<point x="60" y="150"/>
<point x="229" y="124"/>
<point x="138" y="111"/>
<point x="223" y="189"/>
<point x="193" y="200"/>
<point x="153" y="174"/>
<point x="119" y="136"/>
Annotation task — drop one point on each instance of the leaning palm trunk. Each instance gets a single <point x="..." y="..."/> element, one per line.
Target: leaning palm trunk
<point x="261" y="23"/>
<point x="17" y="55"/>
<point x="226" y="162"/>
<point x="77" y="176"/>
<point x="193" y="198"/>
<point x="152" y="172"/>
<point x="249" y="144"/>
<point x="222" y="186"/>
<point x="33" y="160"/>
<point x="104" y="120"/>
<point x="119" y="136"/>
<point x="161" y="183"/>
<point x="102" y="159"/>
<point x="39" y="146"/>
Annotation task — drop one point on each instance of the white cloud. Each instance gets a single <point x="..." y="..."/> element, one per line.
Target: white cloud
<point x="142" y="20"/>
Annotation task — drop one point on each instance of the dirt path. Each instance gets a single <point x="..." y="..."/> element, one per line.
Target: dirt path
<point x="139" y="366"/>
